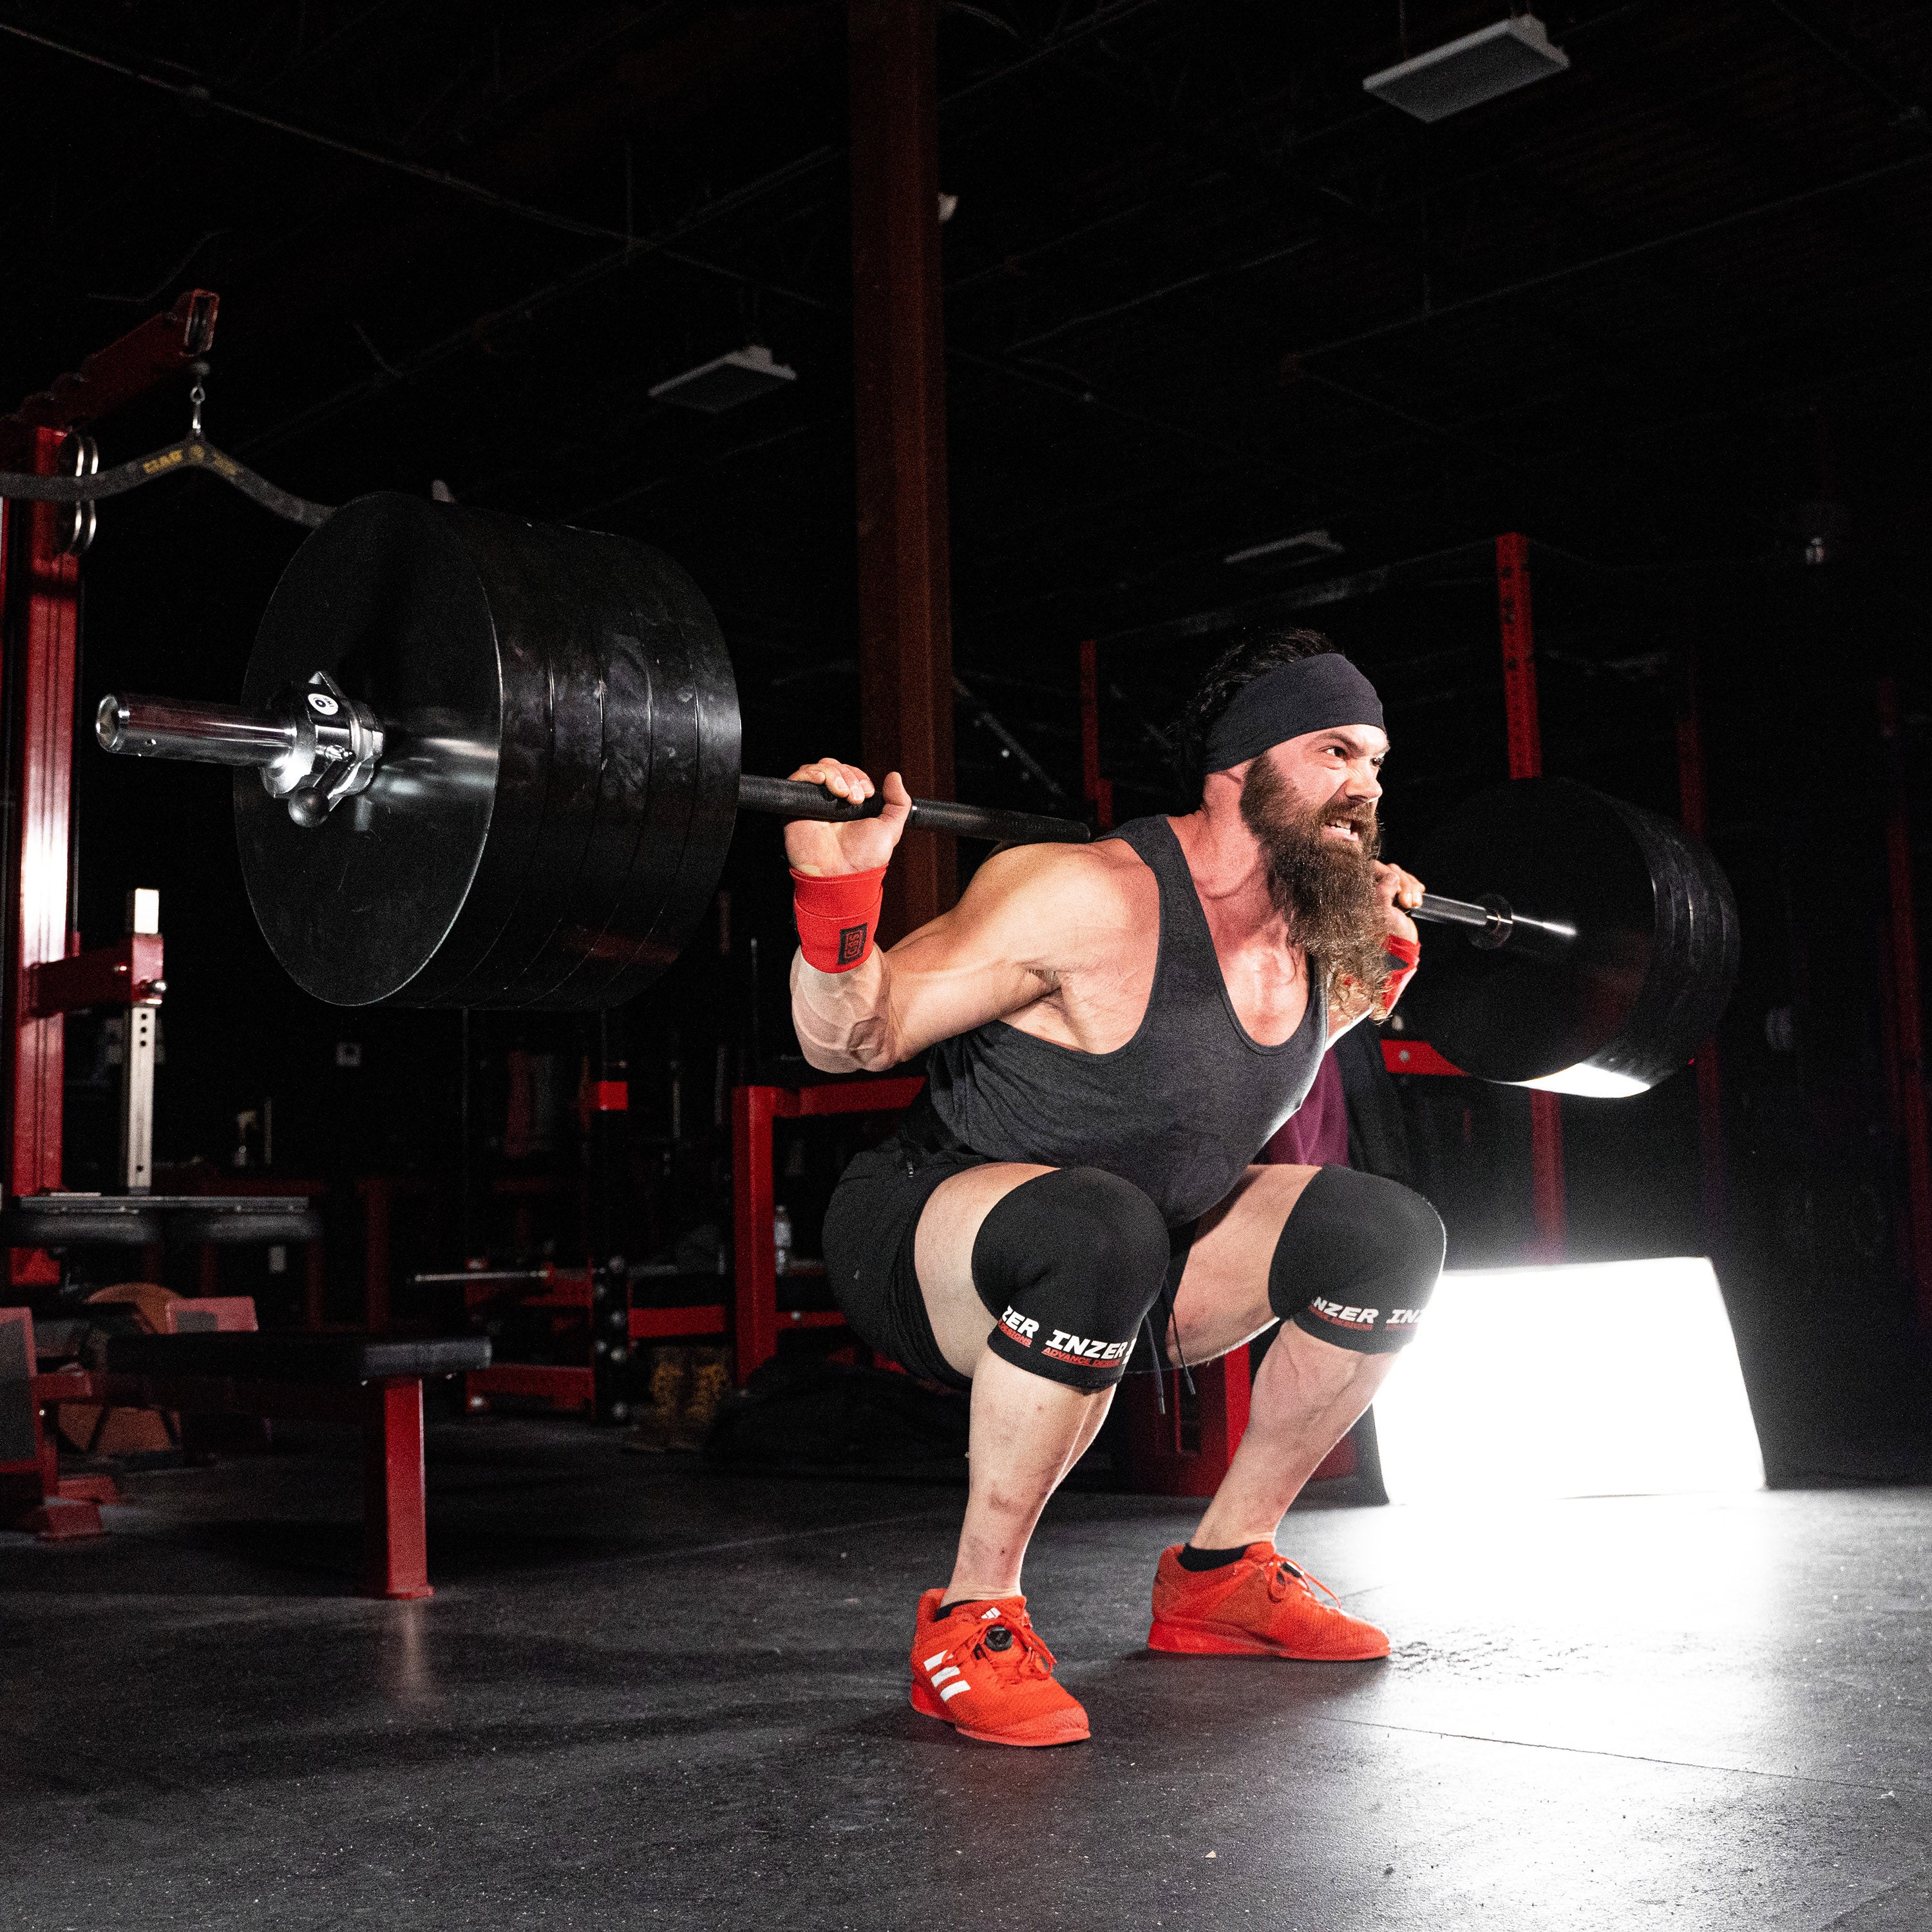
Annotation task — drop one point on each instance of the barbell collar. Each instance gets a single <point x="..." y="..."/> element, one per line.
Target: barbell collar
<point x="316" y="748"/>
<point x="796" y="798"/>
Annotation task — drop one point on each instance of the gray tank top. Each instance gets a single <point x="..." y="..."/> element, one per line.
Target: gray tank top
<point x="1179" y="1110"/>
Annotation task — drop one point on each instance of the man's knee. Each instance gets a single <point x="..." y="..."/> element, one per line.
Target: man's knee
<point x="1357" y="1261"/>
<point x="1068" y="1265"/>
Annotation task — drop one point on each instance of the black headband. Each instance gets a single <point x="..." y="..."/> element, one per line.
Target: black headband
<point x="1310" y="695"/>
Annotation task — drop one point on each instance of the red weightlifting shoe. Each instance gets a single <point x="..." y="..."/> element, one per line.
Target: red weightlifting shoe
<point x="1260" y="1605"/>
<point x="983" y="1669"/>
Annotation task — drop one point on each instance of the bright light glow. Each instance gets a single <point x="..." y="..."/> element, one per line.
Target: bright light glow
<point x="1606" y="1379"/>
<point x="1592" y="1083"/>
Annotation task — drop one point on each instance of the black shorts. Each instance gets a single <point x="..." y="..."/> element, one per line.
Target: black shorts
<point x="869" y="1231"/>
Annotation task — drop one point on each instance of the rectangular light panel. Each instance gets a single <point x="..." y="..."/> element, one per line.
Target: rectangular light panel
<point x="1495" y="60"/>
<point x="1588" y="1379"/>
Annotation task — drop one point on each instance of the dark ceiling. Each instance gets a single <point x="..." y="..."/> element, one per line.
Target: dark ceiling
<point x="1202" y="293"/>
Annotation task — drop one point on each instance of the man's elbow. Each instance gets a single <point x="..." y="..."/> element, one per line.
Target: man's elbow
<point x="825" y="1059"/>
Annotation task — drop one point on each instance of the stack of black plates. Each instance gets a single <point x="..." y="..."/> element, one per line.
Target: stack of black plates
<point x="559" y="781"/>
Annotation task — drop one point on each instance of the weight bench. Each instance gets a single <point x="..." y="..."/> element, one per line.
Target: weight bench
<point x="375" y="1381"/>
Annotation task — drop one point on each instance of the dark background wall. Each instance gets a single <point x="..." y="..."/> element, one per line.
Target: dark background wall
<point x="1663" y="313"/>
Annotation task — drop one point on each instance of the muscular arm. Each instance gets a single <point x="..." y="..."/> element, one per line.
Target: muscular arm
<point x="1000" y="950"/>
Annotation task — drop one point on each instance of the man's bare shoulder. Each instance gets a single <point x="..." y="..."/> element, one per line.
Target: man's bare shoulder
<point x="1085" y="883"/>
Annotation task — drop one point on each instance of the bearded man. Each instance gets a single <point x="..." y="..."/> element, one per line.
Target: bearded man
<point x="1112" y="1031"/>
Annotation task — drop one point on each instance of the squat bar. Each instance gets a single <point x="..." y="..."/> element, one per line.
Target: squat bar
<point x="196" y="732"/>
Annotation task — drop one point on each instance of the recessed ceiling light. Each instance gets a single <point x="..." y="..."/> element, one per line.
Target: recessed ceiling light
<point x="1466" y="73"/>
<point x="725" y="382"/>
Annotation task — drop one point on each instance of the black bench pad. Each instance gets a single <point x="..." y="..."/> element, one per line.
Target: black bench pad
<point x="143" y="1220"/>
<point x="296" y="1358"/>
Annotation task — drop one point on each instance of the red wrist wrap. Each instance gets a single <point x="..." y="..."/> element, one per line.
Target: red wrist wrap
<point x="1406" y="953"/>
<point x="837" y="917"/>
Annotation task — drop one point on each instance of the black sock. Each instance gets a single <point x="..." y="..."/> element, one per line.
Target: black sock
<point x="1192" y="1559"/>
<point x="946" y="1609"/>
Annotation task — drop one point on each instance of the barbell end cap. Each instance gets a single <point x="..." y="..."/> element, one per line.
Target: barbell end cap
<point x="110" y="724"/>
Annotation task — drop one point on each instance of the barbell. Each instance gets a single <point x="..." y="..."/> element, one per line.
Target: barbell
<point x="483" y="762"/>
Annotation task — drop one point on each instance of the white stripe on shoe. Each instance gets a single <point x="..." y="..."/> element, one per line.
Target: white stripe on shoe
<point x="939" y="1677"/>
<point x="953" y="1691"/>
<point x="938" y="1657"/>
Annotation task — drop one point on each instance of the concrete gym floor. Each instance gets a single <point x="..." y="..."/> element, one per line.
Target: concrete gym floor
<point x="647" y="1695"/>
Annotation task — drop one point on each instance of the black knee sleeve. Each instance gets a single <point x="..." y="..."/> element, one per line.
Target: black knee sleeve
<point x="1358" y="1261"/>
<point x="1068" y="1265"/>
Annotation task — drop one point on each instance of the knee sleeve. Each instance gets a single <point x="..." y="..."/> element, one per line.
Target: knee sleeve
<point x="1357" y="1261"/>
<point x="1068" y="1265"/>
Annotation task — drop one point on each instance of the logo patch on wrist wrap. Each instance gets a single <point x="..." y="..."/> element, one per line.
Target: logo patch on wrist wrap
<point x="852" y="944"/>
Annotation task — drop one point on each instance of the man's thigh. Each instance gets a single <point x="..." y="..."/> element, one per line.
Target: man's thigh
<point x="942" y="1255"/>
<point x="1222" y="1300"/>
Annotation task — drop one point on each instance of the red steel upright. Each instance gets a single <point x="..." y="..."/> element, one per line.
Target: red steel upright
<point x="44" y="601"/>
<point x="1525" y="761"/>
<point x="39" y="602"/>
<point x="1096" y="790"/>
<point x="753" y="1198"/>
<point x="1905" y="1029"/>
<point x="905" y="623"/>
<point x="395" y="1539"/>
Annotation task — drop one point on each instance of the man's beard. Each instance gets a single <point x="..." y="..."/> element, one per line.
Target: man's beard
<point x="1324" y="887"/>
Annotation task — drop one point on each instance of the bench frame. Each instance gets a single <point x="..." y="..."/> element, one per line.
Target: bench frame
<point x="387" y="1410"/>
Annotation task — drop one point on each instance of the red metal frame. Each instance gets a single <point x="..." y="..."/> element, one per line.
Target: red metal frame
<point x="905" y="623"/>
<point x="163" y="346"/>
<point x="395" y="1537"/>
<point x="40" y="597"/>
<point x="562" y="1385"/>
<point x="394" y="1541"/>
<point x="1097" y="791"/>
<point x="754" y="1200"/>
<point x="207" y="1267"/>
<point x="110" y="976"/>
<point x="1157" y="1463"/>
<point x="44" y="603"/>
<point x="1416" y="1056"/>
<point x="1523" y="724"/>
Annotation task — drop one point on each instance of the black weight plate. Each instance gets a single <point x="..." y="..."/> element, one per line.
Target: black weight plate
<point x="1693" y="961"/>
<point x="669" y="752"/>
<point x="679" y="840"/>
<point x="606" y="826"/>
<point x="385" y="598"/>
<point x="1655" y="955"/>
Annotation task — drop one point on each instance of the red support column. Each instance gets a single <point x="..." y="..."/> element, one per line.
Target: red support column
<point x="395" y="1542"/>
<point x="1098" y="791"/>
<point x="39" y="618"/>
<point x="1157" y="1464"/>
<point x="1524" y="731"/>
<point x="1694" y="810"/>
<point x="1906" y="1031"/>
<point x="905" y="624"/>
<point x="44" y="605"/>
<point x="754" y="1328"/>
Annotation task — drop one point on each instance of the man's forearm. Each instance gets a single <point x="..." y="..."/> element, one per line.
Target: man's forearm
<point x="842" y="1019"/>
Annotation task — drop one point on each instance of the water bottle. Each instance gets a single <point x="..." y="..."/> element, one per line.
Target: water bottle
<point x="781" y="1236"/>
